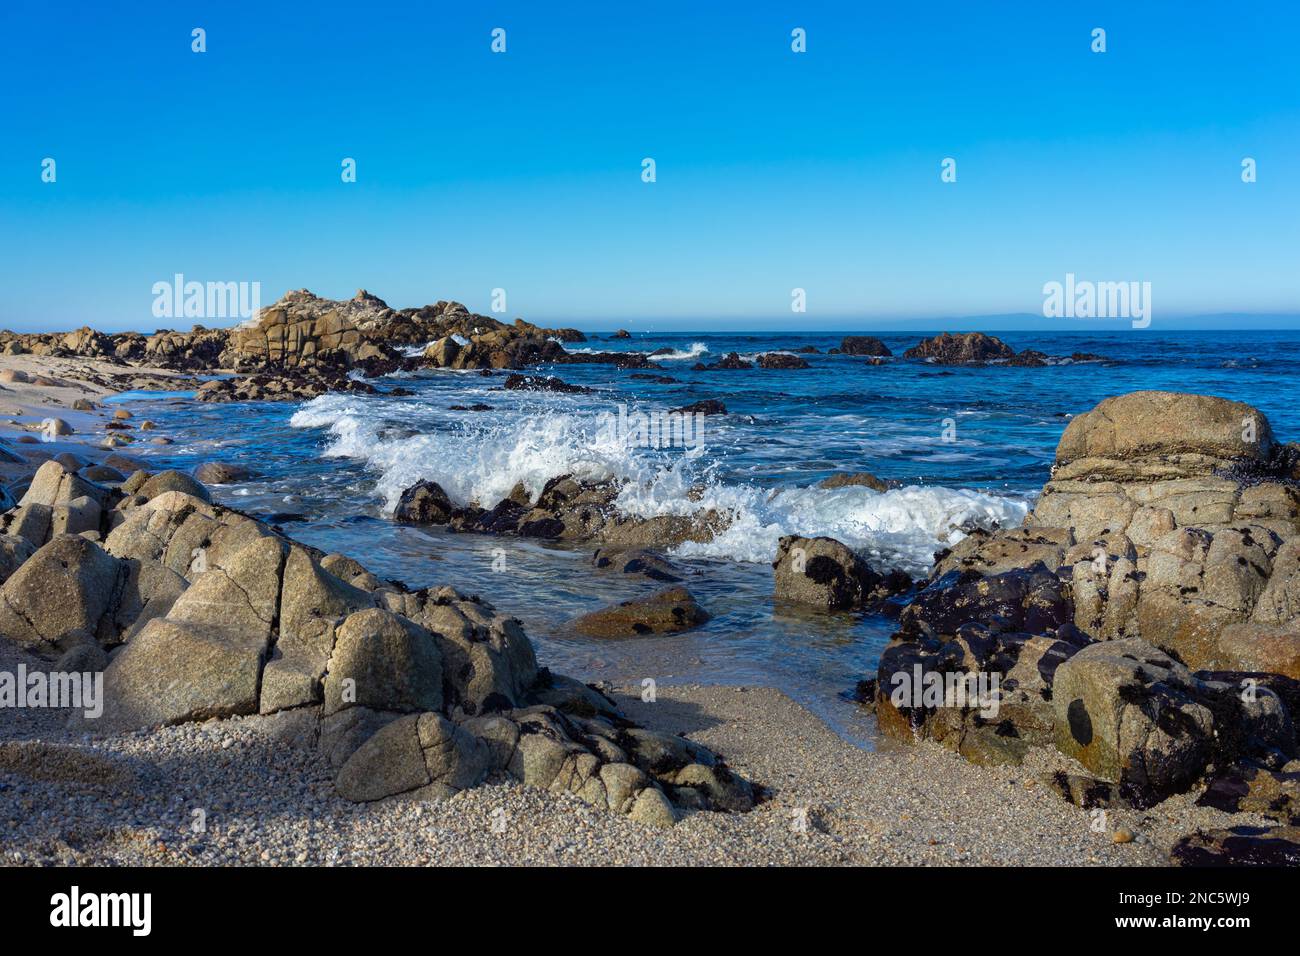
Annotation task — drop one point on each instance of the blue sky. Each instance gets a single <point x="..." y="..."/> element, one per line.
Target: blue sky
<point x="775" y="170"/>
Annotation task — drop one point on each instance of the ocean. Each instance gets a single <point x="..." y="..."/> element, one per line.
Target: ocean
<point x="964" y="446"/>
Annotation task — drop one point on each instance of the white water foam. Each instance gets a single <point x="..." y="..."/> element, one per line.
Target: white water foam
<point x="695" y="351"/>
<point x="480" y="461"/>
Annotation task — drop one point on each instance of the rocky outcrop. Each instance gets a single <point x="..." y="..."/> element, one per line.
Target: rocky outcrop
<point x="1172" y="518"/>
<point x="1184" y="519"/>
<point x="302" y="329"/>
<point x="731" y="362"/>
<point x="864" y="345"/>
<point x="1157" y="575"/>
<point x="781" y="361"/>
<point x="962" y="349"/>
<point x="566" y="509"/>
<point x="209" y="613"/>
<point x="303" y="345"/>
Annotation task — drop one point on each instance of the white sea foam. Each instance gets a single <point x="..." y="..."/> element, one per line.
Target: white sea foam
<point x="695" y="351"/>
<point x="480" y="461"/>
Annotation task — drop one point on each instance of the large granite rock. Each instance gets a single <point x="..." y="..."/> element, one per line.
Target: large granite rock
<point x="1166" y="542"/>
<point x="210" y="613"/>
<point x="69" y="585"/>
<point x="1172" y="518"/>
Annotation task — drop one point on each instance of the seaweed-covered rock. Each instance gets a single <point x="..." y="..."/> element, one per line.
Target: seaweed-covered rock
<point x="1132" y="716"/>
<point x="1032" y="599"/>
<point x="1239" y="846"/>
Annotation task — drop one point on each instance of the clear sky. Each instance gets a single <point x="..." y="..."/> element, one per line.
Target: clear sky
<point x="775" y="170"/>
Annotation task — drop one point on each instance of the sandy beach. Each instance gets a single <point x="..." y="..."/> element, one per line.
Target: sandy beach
<point x="267" y="801"/>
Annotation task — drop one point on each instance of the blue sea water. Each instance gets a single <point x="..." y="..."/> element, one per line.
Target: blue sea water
<point x="964" y="445"/>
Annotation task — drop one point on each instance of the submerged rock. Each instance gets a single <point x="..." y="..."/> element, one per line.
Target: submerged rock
<point x="221" y="473"/>
<point x="664" y="612"/>
<point x="649" y="564"/>
<point x="707" y="406"/>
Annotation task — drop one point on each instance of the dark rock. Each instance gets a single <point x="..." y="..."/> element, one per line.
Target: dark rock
<point x="424" y="503"/>
<point x="729" y="362"/>
<point x="864" y="345"/>
<point x="781" y="360"/>
<point x="1029" y="358"/>
<point x="947" y="349"/>
<point x="657" y="379"/>
<point x="708" y="406"/>
<point x="1085" y="792"/>
<point x="542" y="383"/>
<point x="1239" y="846"/>
<point x="1250" y="788"/>
<point x="1025" y="599"/>
<point x="996" y="729"/>
<point x="824" y="573"/>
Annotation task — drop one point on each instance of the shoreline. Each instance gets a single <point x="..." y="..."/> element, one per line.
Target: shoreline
<point x="896" y="808"/>
<point x="827" y="802"/>
<point x="824" y="799"/>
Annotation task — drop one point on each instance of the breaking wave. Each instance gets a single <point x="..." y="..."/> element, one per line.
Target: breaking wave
<point x="479" y="460"/>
